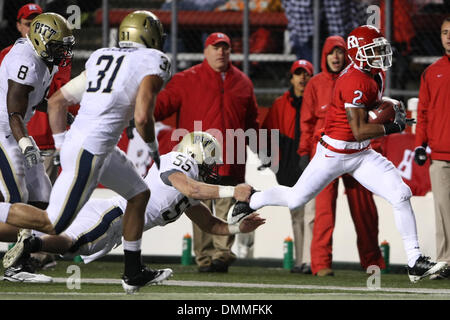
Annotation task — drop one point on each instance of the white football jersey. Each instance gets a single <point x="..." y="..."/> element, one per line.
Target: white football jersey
<point x="166" y="203"/>
<point x="113" y="77"/>
<point x="23" y="66"/>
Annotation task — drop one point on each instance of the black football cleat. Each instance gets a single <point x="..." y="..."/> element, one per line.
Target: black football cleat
<point x="144" y="277"/>
<point x="424" y="268"/>
<point x="240" y="210"/>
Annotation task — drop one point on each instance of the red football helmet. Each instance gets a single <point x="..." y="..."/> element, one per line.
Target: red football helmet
<point x="368" y="49"/>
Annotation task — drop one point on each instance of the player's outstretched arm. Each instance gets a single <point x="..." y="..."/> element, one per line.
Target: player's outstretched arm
<point x="357" y="119"/>
<point x="203" y="191"/>
<point x="68" y="95"/>
<point x="202" y="217"/>
<point x="143" y="112"/>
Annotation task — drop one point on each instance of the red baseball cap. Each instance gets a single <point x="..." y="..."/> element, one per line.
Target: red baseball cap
<point x="217" y="37"/>
<point x="304" y="64"/>
<point x="29" y="9"/>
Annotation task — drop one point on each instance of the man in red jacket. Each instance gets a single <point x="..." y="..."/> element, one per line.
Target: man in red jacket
<point x="216" y="97"/>
<point x="433" y="130"/>
<point x="284" y="115"/>
<point x="38" y="127"/>
<point x="318" y="95"/>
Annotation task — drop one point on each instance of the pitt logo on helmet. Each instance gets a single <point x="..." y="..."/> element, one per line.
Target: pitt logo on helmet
<point x="43" y="28"/>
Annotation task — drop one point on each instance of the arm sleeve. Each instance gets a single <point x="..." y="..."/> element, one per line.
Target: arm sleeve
<point x="22" y="71"/>
<point x="422" y="110"/>
<point x="308" y="121"/>
<point x="74" y="89"/>
<point x="154" y="64"/>
<point x="359" y="94"/>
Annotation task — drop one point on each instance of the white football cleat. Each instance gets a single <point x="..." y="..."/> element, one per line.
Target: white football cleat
<point x="13" y="255"/>
<point x="20" y="274"/>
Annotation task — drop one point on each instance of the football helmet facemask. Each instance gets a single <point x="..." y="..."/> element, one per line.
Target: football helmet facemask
<point x="206" y="151"/>
<point x="141" y="29"/>
<point x="51" y="37"/>
<point x="368" y="49"/>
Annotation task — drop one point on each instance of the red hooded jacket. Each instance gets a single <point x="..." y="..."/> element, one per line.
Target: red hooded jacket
<point x="200" y="94"/>
<point x="317" y="96"/>
<point x="433" y="116"/>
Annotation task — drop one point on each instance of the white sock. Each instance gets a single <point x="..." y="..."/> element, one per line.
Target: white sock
<point x="4" y="211"/>
<point x="131" y="245"/>
<point x="276" y="196"/>
<point x="406" y="224"/>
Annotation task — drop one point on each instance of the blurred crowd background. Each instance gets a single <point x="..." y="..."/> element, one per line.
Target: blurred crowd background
<point x="267" y="35"/>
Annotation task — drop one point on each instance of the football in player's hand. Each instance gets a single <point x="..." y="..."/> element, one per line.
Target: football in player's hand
<point x="383" y="111"/>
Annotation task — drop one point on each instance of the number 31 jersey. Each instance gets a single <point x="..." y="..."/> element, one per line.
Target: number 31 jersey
<point x="113" y="79"/>
<point x="166" y="203"/>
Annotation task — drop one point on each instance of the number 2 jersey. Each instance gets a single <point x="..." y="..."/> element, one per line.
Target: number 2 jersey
<point x="24" y="66"/>
<point x="354" y="88"/>
<point x="113" y="79"/>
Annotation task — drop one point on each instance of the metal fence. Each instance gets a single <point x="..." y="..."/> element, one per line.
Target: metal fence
<point x="261" y="32"/>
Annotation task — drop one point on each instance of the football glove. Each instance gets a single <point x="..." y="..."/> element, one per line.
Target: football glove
<point x="56" y="159"/>
<point x="420" y="155"/>
<point x="154" y="153"/>
<point x="30" y="151"/>
<point x="70" y="118"/>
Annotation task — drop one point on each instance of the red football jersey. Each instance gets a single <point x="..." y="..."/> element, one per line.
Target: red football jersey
<point x="356" y="88"/>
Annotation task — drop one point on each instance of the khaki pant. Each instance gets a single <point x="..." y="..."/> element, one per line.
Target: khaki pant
<point x="440" y="185"/>
<point x="302" y="227"/>
<point x="208" y="247"/>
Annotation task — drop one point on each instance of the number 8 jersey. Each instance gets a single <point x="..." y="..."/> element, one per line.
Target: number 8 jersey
<point x="113" y="78"/>
<point x="24" y="66"/>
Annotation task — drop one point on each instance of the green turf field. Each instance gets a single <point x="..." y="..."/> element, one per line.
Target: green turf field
<point x="101" y="280"/>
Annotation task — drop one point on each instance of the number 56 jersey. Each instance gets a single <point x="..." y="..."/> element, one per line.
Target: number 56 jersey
<point x="113" y="79"/>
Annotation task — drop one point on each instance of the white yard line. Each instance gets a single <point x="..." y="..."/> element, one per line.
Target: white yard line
<point x="259" y="285"/>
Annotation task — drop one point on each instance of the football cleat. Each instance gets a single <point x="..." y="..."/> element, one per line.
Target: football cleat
<point x="25" y="273"/>
<point x="238" y="212"/>
<point x="143" y="278"/>
<point x="443" y="274"/>
<point x="18" y="251"/>
<point x="424" y="268"/>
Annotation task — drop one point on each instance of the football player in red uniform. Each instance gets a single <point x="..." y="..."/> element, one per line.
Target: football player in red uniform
<point x="345" y="148"/>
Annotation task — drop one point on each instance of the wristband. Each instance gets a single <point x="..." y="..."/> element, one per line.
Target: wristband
<point x="58" y="138"/>
<point x="226" y="191"/>
<point x="24" y="143"/>
<point x="153" y="146"/>
<point x="234" y="228"/>
<point x="391" y="127"/>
